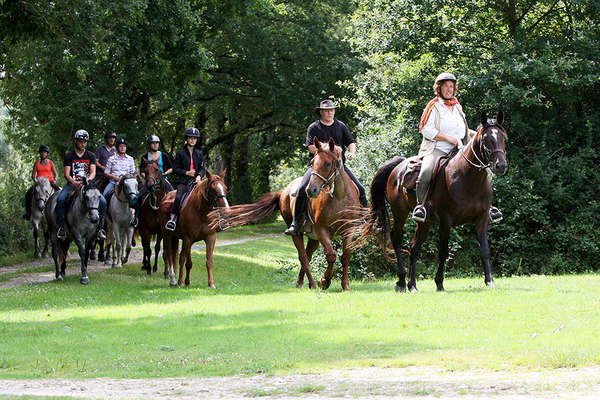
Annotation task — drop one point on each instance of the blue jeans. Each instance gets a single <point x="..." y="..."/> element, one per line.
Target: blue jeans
<point x="62" y="198"/>
<point x="111" y="185"/>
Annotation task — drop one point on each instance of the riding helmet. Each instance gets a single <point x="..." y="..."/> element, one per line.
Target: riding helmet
<point x="110" y="134"/>
<point x="445" y="76"/>
<point x="153" y="139"/>
<point x="120" y="141"/>
<point x="44" y="148"/>
<point x="82" y="134"/>
<point x="193" y="132"/>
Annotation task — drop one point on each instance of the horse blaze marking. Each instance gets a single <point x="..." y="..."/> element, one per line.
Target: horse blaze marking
<point x="495" y="134"/>
<point x="222" y="193"/>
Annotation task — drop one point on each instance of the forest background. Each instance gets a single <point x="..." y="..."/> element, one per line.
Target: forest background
<point x="248" y="74"/>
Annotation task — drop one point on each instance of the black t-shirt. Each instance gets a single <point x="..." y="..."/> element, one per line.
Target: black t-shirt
<point x="80" y="166"/>
<point x="338" y="131"/>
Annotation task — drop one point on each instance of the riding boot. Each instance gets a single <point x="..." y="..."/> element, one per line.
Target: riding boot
<point x="420" y="212"/>
<point x="61" y="234"/>
<point x="101" y="235"/>
<point x="299" y="209"/>
<point x="171" y="223"/>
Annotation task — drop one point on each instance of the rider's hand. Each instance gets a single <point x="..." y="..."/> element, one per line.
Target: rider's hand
<point x="77" y="184"/>
<point x="350" y="156"/>
<point x="190" y="173"/>
<point x="198" y="179"/>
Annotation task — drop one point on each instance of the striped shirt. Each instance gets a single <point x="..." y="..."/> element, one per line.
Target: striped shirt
<point x="119" y="166"/>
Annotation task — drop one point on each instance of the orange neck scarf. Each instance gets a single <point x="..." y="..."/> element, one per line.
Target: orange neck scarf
<point x="429" y="108"/>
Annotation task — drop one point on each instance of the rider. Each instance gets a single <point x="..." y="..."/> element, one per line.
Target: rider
<point x="118" y="165"/>
<point x="43" y="168"/>
<point x="187" y="168"/>
<point x="164" y="163"/>
<point x="324" y="128"/>
<point x="79" y="165"/>
<point x="104" y="152"/>
<point x="444" y="127"/>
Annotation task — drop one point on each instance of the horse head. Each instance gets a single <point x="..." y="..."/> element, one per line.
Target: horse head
<point x="153" y="176"/>
<point x="490" y="143"/>
<point x="326" y="168"/>
<point x="128" y="184"/>
<point x="42" y="191"/>
<point x="91" y="200"/>
<point x="215" y="192"/>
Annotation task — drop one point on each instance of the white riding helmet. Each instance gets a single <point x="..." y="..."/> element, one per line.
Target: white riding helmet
<point x="445" y="76"/>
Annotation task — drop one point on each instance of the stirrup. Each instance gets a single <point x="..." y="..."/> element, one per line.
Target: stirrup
<point x="495" y="215"/>
<point x="419" y="214"/>
<point x="135" y="222"/>
<point x="293" y="230"/>
<point x="170" y="225"/>
<point x="101" y="234"/>
<point x="61" y="234"/>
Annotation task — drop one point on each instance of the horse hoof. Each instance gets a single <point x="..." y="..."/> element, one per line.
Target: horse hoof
<point x="490" y="285"/>
<point x="173" y="284"/>
<point x="37" y="255"/>
<point x="400" y="289"/>
<point x="346" y="288"/>
<point x="92" y="255"/>
<point x="84" y="280"/>
<point x="59" y="278"/>
<point x="101" y="257"/>
<point x="299" y="285"/>
<point x="414" y="290"/>
<point x="210" y="287"/>
<point x="45" y="255"/>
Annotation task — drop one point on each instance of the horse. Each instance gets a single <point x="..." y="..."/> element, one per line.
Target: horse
<point x="81" y="223"/>
<point x="148" y="216"/>
<point x="193" y="225"/>
<point x="120" y="217"/>
<point x="101" y="182"/>
<point x="459" y="194"/>
<point x="333" y="199"/>
<point x="42" y="190"/>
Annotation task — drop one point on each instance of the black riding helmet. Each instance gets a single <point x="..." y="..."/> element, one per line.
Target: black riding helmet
<point x="110" y="134"/>
<point x="44" y="148"/>
<point x="121" y="141"/>
<point x="193" y="132"/>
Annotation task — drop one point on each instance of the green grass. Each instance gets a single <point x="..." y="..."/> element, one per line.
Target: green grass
<point x="274" y="227"/>
<point x="125" y="324"/>
<point x="16" y="258"/>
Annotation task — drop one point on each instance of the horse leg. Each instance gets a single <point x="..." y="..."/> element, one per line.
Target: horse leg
<point x="116" y="243"/>
<point x="147" y="251"/>
<point x="63" y="250"/>
<point x="156" y="253"/>
<point x="304" y="261"/>
<point x="36" y="240"/>
<point x="93" y="250"/>
<point x="46" y="238"/>
<point x="415" y="246"/>
<point x="57" y="275"/>
<point x="482" y="237"/>
<point x="84" y="280"/>
<point x="182" y="259"/>
<point x="330" y="255"/>
<point x="128" y="238"/>
<point x="172" y="255"/>
<point x="311" y="246"/>
<point x="345" y="263"/>
<point x="101" y="250"/>
<point x="396" y="236"/>
<point x="443" y="255"/>
<point x="210" y="247"/>
<point x="188" y="265"/>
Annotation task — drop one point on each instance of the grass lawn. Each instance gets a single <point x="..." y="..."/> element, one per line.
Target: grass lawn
<point x="125" y="324"/>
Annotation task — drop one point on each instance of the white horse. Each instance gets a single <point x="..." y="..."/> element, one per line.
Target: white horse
<point x="121" y="214"/>
<point x="42" y="190"/>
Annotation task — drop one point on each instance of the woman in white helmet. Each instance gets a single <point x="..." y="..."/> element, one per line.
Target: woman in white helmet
<point x="444" y="127"/>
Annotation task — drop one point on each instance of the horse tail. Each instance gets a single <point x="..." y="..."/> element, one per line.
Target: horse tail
<point x="377" y="220"/>
<point x="243" y="214"/>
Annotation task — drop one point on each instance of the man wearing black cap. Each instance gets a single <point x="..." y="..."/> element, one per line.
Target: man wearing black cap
<point x="324" y="128"/>
<point x="187" y="168"/>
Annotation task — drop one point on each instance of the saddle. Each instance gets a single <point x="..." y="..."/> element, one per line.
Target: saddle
<point x="413" y="168"/>
<point x="167" y="203"/>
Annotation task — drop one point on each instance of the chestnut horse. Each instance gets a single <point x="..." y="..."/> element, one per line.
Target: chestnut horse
<point x="148" y="218"/>
<point x="458" y="195"/>
<point x="333" y="199"/>
<point x="193" y="225"/>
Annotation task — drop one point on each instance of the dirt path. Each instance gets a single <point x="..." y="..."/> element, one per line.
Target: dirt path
<point x="93" y="265"/>
<point x="378" y="383"/>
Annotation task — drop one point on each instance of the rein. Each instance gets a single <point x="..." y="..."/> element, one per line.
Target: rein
<point x="330" y="180"/>
<point x="484" y="150"/>
<point x="222" y="222"/>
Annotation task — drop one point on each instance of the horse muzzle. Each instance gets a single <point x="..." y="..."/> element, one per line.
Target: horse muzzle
<point x="312" y="192"/>
<point x="41" y="204"/>
<point x="133" y="200"/>
<point x="94" y="216"/>
<point x="500" y="167"/>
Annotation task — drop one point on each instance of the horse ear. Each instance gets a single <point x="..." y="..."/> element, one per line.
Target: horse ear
<point x="222" y="174"/>
<point x="316" y="143"/>
<point x="331" y="144"/>
<point x="500" y="117"/>
<point x="483" y="119"/>
<point x="208" y="174"/>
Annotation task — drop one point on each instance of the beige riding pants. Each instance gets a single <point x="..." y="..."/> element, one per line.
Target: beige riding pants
<point x="426" y="172"/>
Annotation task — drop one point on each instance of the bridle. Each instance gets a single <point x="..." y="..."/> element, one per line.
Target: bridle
<point x="486" y="152"/>
<point x="222" y="223"/>
<point x="155" y="186"/>
<point x="127" y="194"/>
<point x="85" y="199"/>
<point x="330" y="180"/>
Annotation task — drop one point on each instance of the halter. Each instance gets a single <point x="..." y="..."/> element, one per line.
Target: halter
<point x="330" y="180"/>
<point x="485" y="151"/>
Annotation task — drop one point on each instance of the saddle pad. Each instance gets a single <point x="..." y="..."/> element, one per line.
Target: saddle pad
<point x="167" y="203"/>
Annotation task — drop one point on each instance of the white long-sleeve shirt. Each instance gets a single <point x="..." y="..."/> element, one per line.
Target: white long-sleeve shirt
<point x="119" y="166"/>
<point x="451" y="124"/>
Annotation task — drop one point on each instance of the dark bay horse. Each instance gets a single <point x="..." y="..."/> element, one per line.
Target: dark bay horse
<point x="149" y="224"/>
<point x="333" y="199"/>
<point x="461" y="194"/>
<point x="81" y="223"/>
<point x="193" y="225"/>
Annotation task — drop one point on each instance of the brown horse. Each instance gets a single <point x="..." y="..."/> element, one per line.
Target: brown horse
<point x="149" y="225"/>
<point x="460" y="194"/>
<point x="333" y="198"/>
<point x="193" y="225"/>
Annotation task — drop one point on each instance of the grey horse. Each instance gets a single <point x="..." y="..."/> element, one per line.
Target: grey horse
<point x="81" y="223"/>
<point x="42" y="190"/>
<point x="120" y="217"/>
